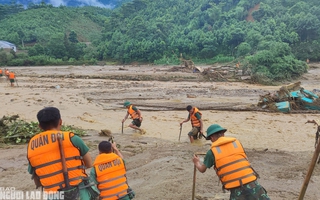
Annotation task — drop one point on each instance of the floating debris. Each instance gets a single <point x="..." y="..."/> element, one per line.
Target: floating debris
<point x="290" y="97"/>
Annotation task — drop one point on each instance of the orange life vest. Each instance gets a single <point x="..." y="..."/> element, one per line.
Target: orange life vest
<point x="44" y="156"/>
<point x="231" y="163"/>
<point x="11" y="75"/>
<point x="133" y="114"/>
<point x="6" y="72"/>
<point x="0" y="71"/>
<point x="111" y="176"/>
<point x="194" y="120"/>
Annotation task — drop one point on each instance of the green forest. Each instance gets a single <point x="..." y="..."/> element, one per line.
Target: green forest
<point x="272" y="38"/>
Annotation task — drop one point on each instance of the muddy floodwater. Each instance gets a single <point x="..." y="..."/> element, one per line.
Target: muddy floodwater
<point x="159" y="166"/>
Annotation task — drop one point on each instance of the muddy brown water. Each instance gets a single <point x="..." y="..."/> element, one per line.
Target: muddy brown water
<point x="279" y="146"/>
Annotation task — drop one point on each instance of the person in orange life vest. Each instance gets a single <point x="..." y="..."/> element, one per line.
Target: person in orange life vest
<point x="1" y="73"/>
<point x="196" y="122"/>
<point x="109" y="173"/>
<point x="6" y="73"/>
<point x="45" y="159"/>
<point x="12" y="78"/>
<point x="238" y="65"/>
<point x="231" y="165"/>
<point x="135" y="114"/>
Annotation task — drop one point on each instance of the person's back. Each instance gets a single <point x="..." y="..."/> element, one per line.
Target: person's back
<point x="12" y="77"/>
<point x="44" y="156"/>
<point x="230" y="156"/>
<point x="45" y="160"/>
<point x="109" y="173"/>
<point x="231" y="164"/>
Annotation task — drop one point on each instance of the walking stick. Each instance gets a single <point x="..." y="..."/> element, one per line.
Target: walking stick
<point x="311" y="168"/>
<point x="122" y="128"/>
<point x="194" y="177"/>
<point x="111" y="140"/>
<point x="180" y="132"/>
<point x="194" y="181"/>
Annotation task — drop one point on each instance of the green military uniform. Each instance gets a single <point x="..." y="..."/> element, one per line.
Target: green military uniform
<point x="83" y="148"/>
<point x="249" y="191"/>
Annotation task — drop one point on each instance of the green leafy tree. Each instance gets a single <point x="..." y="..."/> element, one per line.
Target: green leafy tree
<point x="243" y="49"/>
<point x="56" y="47"/>
<point x="73" y="37"/>
<point x="307" y="26"/>
<point x="276" y="63"/>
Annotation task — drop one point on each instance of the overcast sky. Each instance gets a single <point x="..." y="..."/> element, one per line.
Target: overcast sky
<point x="57" y="3"/>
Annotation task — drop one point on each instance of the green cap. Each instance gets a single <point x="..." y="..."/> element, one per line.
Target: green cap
<point x="214" y="128"/>
<point x="126" y="103"/>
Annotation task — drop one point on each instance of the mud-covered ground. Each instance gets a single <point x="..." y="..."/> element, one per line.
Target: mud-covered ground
<point x="279" y="146"/>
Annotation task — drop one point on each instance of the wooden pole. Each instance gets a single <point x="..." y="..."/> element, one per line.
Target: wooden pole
<point x="311" y="167"/>
<point x="194" y="181"/>
<point x="122" y="128"/>
<point x="194" y="176"/>
<point x="63" y="160"/>
<point x="180" y="132"/>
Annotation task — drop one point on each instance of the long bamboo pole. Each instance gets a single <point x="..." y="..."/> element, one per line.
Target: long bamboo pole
<point x="194" y="181"/>
<point x="194" y="176"/>
<point x="311" y="168"/>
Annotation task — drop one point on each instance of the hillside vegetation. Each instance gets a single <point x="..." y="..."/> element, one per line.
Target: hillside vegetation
<point x="271" y="38"/>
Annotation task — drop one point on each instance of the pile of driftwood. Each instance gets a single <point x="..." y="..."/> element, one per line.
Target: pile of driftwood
<point x="187" y="63"/>
<point x="225" y="73"/>
<point x="218" y="73"/>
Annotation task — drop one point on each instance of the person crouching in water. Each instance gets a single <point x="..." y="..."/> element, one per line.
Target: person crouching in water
<point x="109" y="173"/>
<point x="135" y="114"/>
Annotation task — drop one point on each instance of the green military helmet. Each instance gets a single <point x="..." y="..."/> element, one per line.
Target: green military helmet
<point x="126" y="103"/>
<point x="214" y="128"/>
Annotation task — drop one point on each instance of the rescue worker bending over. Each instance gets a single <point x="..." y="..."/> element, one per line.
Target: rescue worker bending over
<point x="135" y="114"/>
<point x="109" y="173"/>
<point x="231" y="165"/>
<point x="196" y="123"/>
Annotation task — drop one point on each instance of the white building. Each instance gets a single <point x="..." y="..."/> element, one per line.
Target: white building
<point x="7" y="45"/>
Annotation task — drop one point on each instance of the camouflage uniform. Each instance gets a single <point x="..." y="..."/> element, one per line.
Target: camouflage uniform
<point x="250" y="191"/>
